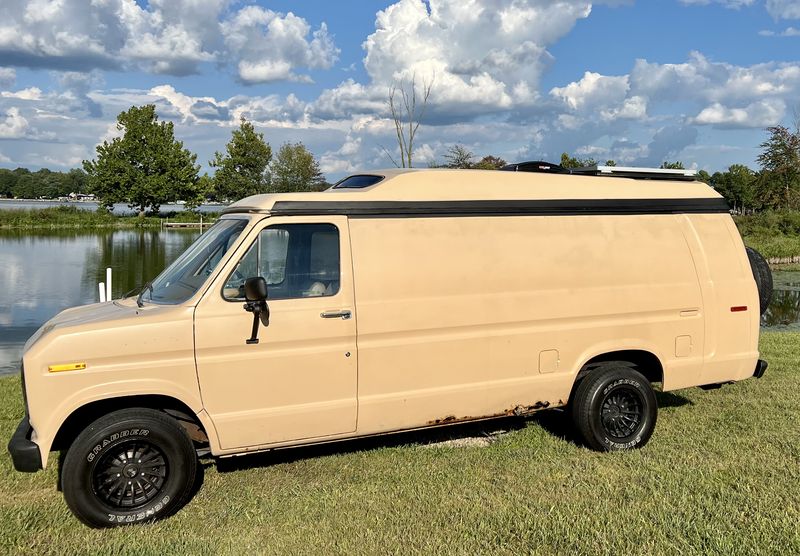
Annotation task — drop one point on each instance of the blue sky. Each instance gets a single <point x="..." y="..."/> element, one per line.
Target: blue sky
<point x="639" y="82"/>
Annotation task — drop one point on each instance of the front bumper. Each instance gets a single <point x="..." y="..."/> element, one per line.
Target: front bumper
<point x="761" y="368"/>
<point x="24" y="452"/>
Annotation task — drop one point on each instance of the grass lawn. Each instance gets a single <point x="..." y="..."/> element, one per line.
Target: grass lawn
<point x="721" y="475"/>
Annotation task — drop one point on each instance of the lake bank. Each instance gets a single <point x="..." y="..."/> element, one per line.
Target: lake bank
<point x="65" y="217"/>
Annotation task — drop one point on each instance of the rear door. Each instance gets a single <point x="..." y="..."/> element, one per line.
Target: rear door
<point x="299" y="381"/>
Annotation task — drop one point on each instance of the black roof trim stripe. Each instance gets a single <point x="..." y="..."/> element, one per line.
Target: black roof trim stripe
<point x="544" y="207"/>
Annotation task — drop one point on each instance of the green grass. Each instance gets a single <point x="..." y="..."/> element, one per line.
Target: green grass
<point x="721" y="475"/>
<point x="73" y="217"/>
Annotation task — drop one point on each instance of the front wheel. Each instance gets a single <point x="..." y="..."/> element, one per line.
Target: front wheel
<point x="129" y="466"/>
<point x="614" y="408"/>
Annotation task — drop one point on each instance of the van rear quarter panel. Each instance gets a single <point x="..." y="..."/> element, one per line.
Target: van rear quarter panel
<point x="455" y="315"/>
<point x="731" y="349"/>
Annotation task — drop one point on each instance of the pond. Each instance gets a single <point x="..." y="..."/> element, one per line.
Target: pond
<point x="42" y="273"/>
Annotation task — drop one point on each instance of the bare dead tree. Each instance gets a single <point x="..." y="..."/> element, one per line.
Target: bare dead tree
<point x="407" y="113"/>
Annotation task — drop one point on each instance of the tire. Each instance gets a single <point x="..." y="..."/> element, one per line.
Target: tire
<point x="112" y="447"/>
<point x="763" y="278"/>
<point x="614" y="408"/>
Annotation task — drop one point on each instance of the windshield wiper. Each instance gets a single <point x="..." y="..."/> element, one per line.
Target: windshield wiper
<point x="147" y="286"/>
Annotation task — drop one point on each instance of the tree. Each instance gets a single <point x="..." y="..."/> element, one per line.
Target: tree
<point x="738" y="186"/>
<point x="407" y="114"/>
<point x="489" y="162"/>
<point x="146" y="167"/>
<point x="780" y="161"/>
<point x="677" y="165"/>
<point x="242" y="170"/>
<point x="568" y="161"/>
<point x="296" y="169"/>
<point x="458" y="156"/>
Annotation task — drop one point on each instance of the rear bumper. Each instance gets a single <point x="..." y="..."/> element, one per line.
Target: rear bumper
<point x="24" y="452"/>
<point x="761" y="368"/>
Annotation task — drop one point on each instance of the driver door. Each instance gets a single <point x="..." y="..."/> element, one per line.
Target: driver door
<point x="299" y="381"/>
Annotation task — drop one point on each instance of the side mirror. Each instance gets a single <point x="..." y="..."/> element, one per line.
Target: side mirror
<point x="255" y="294"/>
<point x="255" y="289"/>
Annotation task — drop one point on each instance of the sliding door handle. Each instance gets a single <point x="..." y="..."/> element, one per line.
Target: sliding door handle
<point x="343" y="314"/>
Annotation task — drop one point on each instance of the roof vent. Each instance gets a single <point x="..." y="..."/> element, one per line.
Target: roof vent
<point x="536" y="166"/>
<point x="359" y="181"/>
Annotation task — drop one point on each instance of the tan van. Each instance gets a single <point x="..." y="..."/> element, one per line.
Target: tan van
<point x="394" y="300"/>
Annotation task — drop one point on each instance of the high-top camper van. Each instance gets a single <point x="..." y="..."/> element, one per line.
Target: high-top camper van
<point x="395" y="300"/>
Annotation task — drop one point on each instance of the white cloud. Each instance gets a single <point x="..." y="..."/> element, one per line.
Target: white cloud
<point x="14" y="126"/>
<point x="269" y="45"/>
<point x="784" y="9"/>
<point x="759" y="114"/>
<point x="593" y="91"/>
<point x="31" y="93"/>
<point x="788" y="32"/>
<point x="483" y="56"/>
<point x="733" y="4"/>
<point x="162" y="36"/>
<point x="704" y="80"/>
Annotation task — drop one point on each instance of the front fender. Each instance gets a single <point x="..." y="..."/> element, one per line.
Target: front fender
<point x="46" y="429"/>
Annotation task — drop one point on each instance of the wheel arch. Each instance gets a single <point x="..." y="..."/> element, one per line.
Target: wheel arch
<point x="646" y="362"/>
<point x="197" y="424"/>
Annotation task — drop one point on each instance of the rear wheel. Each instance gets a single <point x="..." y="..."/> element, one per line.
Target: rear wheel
<point x="614" y="408"/>
<point x="129" y="466"/>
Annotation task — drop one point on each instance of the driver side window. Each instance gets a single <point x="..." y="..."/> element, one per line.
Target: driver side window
<point x="296" y="260"/>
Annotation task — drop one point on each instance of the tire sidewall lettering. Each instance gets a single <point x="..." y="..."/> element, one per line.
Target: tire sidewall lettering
<point x="95" y="451"/>
<point x="149" y="513"/>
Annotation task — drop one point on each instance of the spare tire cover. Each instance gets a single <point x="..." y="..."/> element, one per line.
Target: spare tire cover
<point x="763" y="277"/>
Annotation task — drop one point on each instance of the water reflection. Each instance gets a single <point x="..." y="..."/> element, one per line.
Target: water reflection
<point x="45" y="272"/>
<point x="784" y="310"/>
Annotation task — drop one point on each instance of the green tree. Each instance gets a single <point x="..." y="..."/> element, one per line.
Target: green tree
<point x="8" y="180"/>
<point x="490" y="162"/>
<point x="242" y="169"/>
<point x="780" y="162"/>
<point x="296" y="169"/>
<point x="677" y="165"/>
<point x="738" y="186"/>
<point x="611" y="162"/>
<point x="146" y="167"/>
<point x="568" y="161"/>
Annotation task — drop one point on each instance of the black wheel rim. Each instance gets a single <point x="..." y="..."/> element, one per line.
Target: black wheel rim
<point x="130" y="474"/>
<point x="621" y="412"/>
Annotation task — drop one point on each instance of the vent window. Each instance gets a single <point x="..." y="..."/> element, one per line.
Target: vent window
<point x="357" y="182"/>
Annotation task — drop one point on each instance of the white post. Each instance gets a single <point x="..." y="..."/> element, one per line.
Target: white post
<point x="102" y="289"/>
<point x="109" y="297"/>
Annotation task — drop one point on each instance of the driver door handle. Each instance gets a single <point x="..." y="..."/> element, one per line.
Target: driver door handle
<point x="343" y="314"/>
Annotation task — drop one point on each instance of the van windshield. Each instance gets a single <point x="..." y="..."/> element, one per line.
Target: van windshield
<point x="187" y="273"/>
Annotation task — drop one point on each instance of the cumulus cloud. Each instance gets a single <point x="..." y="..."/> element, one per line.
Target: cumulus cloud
<point x="482" y="56"/>
<point x="14" y="125"/>
<point x="700" y="78"/>
<point x="162" y="36"/>
<point x="759" y="114"/>
<point x="269" y="45"/>
<point x="593" y="91"/>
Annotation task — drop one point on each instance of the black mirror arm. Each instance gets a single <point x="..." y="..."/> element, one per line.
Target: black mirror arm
<point x="260" y="312"/>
